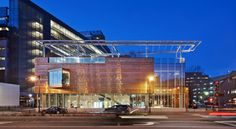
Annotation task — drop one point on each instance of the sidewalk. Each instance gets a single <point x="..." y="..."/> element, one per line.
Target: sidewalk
<point x="11" y="113"/>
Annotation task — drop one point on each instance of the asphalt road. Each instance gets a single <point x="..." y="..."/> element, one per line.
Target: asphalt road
<point x="159" y="121"/>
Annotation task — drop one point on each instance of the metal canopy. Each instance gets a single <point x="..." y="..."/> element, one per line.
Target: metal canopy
<point x="117" y="48"/>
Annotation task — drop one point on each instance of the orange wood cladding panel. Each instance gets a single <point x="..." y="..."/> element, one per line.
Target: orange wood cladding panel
<point x="117" y="75"/>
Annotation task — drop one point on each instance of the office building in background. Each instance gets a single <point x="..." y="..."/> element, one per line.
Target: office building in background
<point x="26" y="23"/>
<point x="200" y="88"/>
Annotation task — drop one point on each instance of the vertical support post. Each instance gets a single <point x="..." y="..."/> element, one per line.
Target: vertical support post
<point x="112" y="52"/>
<point x="44" y="52"/>
<point x="49" y="100"/>
<point x="77" y="47"/>
<point x="146" y="51"/>
<point x="39" y="94"/>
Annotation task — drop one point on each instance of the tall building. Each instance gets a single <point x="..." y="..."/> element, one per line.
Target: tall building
<point x="200" y="88"/>
<point x="4" y="34"/>
<point x="227" y="90"/>
<point x="27" y="24"/>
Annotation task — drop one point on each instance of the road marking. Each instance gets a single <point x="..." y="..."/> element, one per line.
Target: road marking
<point x="145" y="124"/>
<point x="5" y="122"/>
<point x="229" y="123"/>
<point x="204" y="116"/>
<point x="143" y="117"/>
<point x="188" y="121"/>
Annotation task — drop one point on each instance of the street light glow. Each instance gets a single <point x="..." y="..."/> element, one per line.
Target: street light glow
<point x="33" y="78"/>
<point x="151" y="78"/>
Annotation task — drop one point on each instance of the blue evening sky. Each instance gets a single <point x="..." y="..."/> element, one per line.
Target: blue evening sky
<point x="211" y="21"/>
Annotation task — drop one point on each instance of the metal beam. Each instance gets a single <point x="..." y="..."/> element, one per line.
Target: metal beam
<point x="160" y="46"/>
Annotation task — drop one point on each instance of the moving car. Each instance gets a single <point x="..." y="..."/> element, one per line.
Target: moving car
<point x="55" y="110"/>
<point x="119" y="109"/>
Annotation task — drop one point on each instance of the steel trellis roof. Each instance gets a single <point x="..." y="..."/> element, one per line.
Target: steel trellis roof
<point x="116" y="47"/>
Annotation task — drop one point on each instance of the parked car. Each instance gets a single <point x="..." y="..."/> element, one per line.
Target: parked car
<point x="55" y="110"/>
<point x="119" y="109"/>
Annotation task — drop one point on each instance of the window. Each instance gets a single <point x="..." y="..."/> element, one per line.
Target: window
<point x="2" y="58"/>
<point x="2" y="48"/>
<point x="55" y="78"/>
<point x="59" y="78"/>
<point x="82" y="60"/>
<point x="65" y="78"/>
<point x="56" y="27"/>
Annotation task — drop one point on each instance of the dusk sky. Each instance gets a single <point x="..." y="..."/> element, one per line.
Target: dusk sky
<point x="211" y="21"/>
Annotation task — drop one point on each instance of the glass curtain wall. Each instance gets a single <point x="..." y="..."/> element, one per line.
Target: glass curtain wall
<point x="170" y="84"/>
<point x="26" y="25"/>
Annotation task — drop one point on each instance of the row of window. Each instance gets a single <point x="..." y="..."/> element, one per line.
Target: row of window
<point x="2" y="48"/>
<point x="204" y="88"/>
<point x="64" y="31"/>
<point x="231" y="92"/>
<point x="197" y="78"/>
<point x="2" y="58"/>
<point x="37" y="25"/>
<point x="77" y="60"/>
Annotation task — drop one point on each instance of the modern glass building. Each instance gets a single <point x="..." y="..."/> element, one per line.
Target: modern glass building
<point x="27" y="23"/>
<point x="133" y="72"/>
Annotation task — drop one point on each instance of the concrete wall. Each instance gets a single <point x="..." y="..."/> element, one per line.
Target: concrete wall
<point x="9" y="95"/>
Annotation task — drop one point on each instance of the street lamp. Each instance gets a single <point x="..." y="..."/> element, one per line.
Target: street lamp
<point x="35" y="78"/>
<point x="150" y="79"/>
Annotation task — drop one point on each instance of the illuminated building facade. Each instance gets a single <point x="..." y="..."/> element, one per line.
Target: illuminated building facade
<point x="27" y="23"/>
<point x="103" y="79"/>
<point x="200" y="88"/>
<point x="227" y="88"/>
<point x="85" y="80"/>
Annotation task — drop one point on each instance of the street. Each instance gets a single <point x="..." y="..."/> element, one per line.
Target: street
<point x="158" y="121"/>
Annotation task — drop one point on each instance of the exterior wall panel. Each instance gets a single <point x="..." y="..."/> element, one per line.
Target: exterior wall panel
<point x="9" y="94"/>
<point x="117" y="75"/>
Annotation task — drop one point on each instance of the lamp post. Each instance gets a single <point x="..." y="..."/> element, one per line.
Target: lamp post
<point x="34" y="79"/>
<point x="150" y="79"/>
